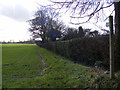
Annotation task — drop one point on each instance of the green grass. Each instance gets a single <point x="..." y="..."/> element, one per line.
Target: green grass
<point x="19" y="62"/>
<point x="22" y="65"/>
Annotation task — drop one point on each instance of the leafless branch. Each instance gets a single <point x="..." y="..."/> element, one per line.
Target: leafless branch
<point x="82" y="22"/>
<point x="95" y="11"/>
<point x="60" y="2"/>
<point x="80" y="9"/>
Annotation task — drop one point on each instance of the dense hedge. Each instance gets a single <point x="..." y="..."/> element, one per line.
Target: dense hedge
<point x="88" y="50"/>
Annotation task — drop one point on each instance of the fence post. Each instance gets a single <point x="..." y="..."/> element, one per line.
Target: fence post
<point x="111" y="47"/>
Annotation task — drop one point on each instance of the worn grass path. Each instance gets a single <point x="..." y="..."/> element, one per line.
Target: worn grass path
<point x="29" y="66"/>
<point x="43" y="64"/>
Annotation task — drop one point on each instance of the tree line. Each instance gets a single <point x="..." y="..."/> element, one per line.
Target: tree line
<point x="48" y="27"/>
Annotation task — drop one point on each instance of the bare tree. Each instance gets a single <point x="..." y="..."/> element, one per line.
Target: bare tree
<point x="44" y="24"/>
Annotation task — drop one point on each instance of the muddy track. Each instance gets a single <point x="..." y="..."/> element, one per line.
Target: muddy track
<point x="43" y="64"/>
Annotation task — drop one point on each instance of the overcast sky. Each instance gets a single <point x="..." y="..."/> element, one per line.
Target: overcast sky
<point x="13" y="17"/>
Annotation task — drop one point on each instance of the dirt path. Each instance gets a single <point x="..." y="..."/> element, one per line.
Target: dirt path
<point x="43" y="64"/>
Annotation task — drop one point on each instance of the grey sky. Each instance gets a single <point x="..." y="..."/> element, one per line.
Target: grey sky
<point x="13" y="17"/>
<point x="16" y="12"/>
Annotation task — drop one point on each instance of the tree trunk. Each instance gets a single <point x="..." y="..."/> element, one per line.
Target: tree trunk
<point x="117" y="35"/>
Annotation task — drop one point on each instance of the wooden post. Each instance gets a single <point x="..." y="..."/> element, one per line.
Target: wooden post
<point x="111" y="43"/>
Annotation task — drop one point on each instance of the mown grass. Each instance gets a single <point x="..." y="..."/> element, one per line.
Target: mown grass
<point x="22" y="65"/>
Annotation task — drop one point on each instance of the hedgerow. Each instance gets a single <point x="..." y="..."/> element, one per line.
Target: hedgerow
<point x="87" y="50"/>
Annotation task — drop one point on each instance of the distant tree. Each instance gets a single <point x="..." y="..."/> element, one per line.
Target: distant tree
<point x="38" y="25"/>
<point x="87" y="30"/>
<point x="55" y="30"/>
<point x="45" y="26"/>
<point x="72" y="33"/>
<point x="81" y="32"/>
<point x="93" y="33"/>
<point x="69" y="34"/>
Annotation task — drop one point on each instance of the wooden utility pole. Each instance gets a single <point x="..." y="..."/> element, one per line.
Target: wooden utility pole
<point x="111" y="43"/>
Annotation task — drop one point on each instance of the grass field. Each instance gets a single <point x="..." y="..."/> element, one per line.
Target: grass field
<point x="20" y="62"/>
<point x="28" y="66"/>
